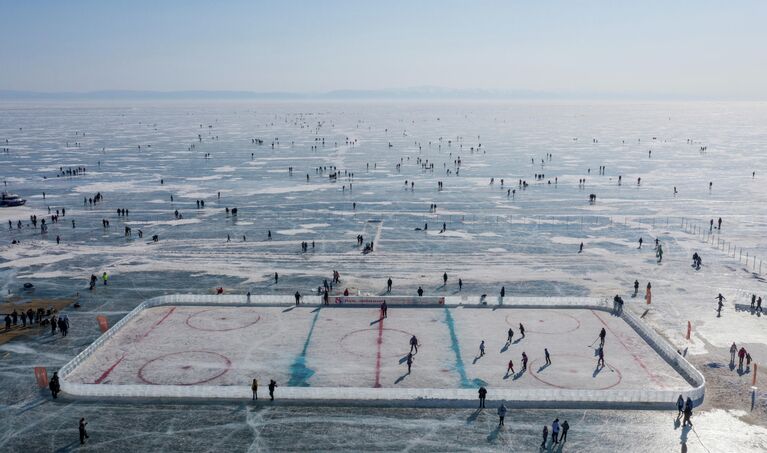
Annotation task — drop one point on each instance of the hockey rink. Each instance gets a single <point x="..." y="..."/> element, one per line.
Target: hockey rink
<point x="312" y="346"/>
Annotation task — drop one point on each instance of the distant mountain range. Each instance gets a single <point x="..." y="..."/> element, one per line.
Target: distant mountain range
<point x="415" y="93"/>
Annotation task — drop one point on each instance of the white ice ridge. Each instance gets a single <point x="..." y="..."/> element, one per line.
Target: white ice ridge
<point x="662" y="395"/>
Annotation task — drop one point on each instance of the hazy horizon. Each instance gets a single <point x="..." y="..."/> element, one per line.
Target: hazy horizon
<point x="682" y="50"/>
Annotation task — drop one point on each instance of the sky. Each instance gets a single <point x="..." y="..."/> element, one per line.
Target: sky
<point x="699" y="48"/>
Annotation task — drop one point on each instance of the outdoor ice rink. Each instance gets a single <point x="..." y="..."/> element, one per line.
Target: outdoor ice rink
<point x="352" y="347"/>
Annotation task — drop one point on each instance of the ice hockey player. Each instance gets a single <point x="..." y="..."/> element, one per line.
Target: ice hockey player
<point x="510" y="368"/>
<point x="388" y="285"/>
<point x="254" y="389"/>
<point x="54" y="385"/>
<point x="414" y="344"/>
<point x="548" y="357"/>
<point x="409" y="362"/>
<point x="636" y="287"/>
<point x="524" y="361"/>
<point x="679" y="406"/>
<point x="509" y="336"/>
<point x="83" y="432"/>
<point x="522" y="330"/>
<point x="601" y="361"/>
<point x="298" y="298"/>
<point x="482" y="349"/>
<point x="444" y="279"/>
<point x="384" y="309"/>
<point x="602" y="335"/>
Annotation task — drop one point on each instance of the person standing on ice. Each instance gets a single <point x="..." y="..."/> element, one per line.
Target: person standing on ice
<point x="420" y="291"/>
<point x="298" y="298"/>
<point x="545" y="435"/>
<point x="602" y="335"/>
<point x="482" y="395"/>
<point x="413" y="344"/>
<point x="555" y="432"/>
<point x="719" y="306"/>
<point x="54" y="386"/>
<point x="548" y="357"/>
<point x="254" y="389"/>
<point x="524" y="361"/>
<point x="510" y="368"/>
<point x="105" y="277"/>
<point x="580" y="250"/>
<point x="409" y="362"/>
<point x="460" y="285"/>
<point x="482" y="348"/>
<point x="719" y="224"/>
<point x="522" y="330"/>
<point x="501" y="413"/>
<point x="640" y="242"/>
<point x="733" y="351"/>
<point x="565" y="428"/>
<point x="388" y="285"/>
<point x="509" y="336"/>
<point x="636" y="287"/>
<point x="741" y="356"/>
<point x="276" y="278"/>
<point x="444" y="279"/>
<point x="503" y="292"/>
<point x="687" y="412"/>
<point x="384" y="309"/>
<point x="272" y="386"/>
<point x="83" y="432"/>
<point x="679" y="406"/>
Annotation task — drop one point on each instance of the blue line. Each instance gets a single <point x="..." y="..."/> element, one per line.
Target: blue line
<point x="456" y="350"/>
<point x="299" y="373"/>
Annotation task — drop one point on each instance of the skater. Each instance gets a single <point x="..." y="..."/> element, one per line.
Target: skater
<point x="388" y="285"/>
<point x="501" y="413"/>
<point x="640" y="242"/>
<point x="524" y="361"/>
<point x="545" y="435"/>
<point x="503" y="292"/>
<point x="83" y="432"/>
<point x="555" y="431"/>
<point x="719" y="305"/>
<point x="759" y="304"/>
<point x="409" y="362"/>
<point x="482" y="395"/>
<point x="509" y="336"/>
<point x="601" y="361"/>
<point x="741" y="356"/>
<point x="687" y="412"/>
<point x="548" y="357"/>
<point x="384" y="309"/>
<point x="254" y="389"/>
<point x="522" y="330"/>
<point x="444" y="279"/>
<point x="298" y="298"/>
<point x="482" y="348"/>
<point x="510" y="368"/>
<point x="272" y="386"/>
<point x="54" y="385"/>
<point x="636" y="287"/>
<point x="565" y="428"/>
<point x="733" y="351"/>
<point x="602" y="335"/>
<point x="460" y="285"/>
<point x="679" y="406"/>
<point x="580" y="250"/>
<point x="414" y="344"/>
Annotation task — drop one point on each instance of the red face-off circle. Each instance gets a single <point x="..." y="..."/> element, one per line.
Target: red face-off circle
<point x="184" y="368"/>
<point x="221" y="320"/>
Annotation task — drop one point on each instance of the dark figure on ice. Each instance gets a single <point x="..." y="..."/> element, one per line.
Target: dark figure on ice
<point x="601" y="361"/>
<point x="555" y="432"/>
<point x="420" y="291"/>
<point x="414" y="344"/>
<point x="501" y="413"/>
<point x="522" y="330"/>
<point x="54" y="385"/>
<point x="545" y="436"/>
<point x="272" y="386"/>
<point x="254" y="389"/>
<point x="524" y="361"/>
<point x="298" y="297"/>
<point x="460" y="285"/>
<point x="548" y="357"/>
<point x="482" y="395"/>
<point x="636" y="287"/>
<point x="83" y="432"/>
<point x="409" y="362"/>
<point x="509" y="336"/>
<point x="565" y="428"/>
<point x="388" y="285"/>
<point x="444" y="279"/>
<point x="602" y="335"/>
<point x="384" y="309"/>
<point x="503" y="292"/>
<point x="679" y="406"/>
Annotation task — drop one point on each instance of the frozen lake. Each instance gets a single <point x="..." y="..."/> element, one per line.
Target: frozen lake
<point x="140" y="155"/>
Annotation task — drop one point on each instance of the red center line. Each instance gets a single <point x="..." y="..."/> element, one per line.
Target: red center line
<point x="637" y="359"/>
<point x="378" y="355"/>
<point x="114" y="365"/>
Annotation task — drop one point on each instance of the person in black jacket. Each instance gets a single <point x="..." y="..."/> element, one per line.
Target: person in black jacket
<point x="272" y="386"/>
<point x="54" y="385"/>
<point x="83" y="433"/>
<point x="482" y="395"/>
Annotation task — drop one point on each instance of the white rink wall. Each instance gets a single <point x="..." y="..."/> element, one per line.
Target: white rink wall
<point x="401" y="396"/>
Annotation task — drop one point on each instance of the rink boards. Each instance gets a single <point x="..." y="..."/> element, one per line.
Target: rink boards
<point x="213" y="346"/>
